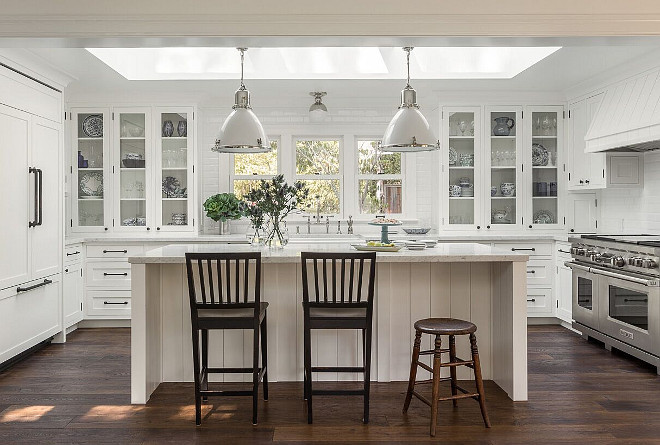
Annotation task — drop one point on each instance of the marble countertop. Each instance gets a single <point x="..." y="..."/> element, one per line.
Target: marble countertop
<point x="447" y="253"/>
<point x="201" y="238"/>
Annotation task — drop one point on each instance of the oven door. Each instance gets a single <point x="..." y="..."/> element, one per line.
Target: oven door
<point x="630" y="310"/>
<point x="585" y="295"/>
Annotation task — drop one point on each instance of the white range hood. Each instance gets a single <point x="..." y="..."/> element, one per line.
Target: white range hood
<point x="628" y="118"/>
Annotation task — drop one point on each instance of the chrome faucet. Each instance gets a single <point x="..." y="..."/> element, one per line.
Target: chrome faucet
<point x="309" y="224"/>
<point x="327" y="223"/>
<point x="350" y="225"/>
<point x="318" y="209"/>
<point x="338" y="227"/>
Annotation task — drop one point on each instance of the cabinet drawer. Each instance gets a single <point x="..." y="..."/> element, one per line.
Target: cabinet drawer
<point x="111" y="303"/>
<point x="539" y="301"/>
<point x="539" y="272"/>
<point x="114" y="250"/>
<point x="531" y="249"/>
<point x="109" y="274"/>
<point x="73" y="253"/>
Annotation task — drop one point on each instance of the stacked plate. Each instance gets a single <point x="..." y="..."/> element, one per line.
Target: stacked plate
<point x="415" y="245"/>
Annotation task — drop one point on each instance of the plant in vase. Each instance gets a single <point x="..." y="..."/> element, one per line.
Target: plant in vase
<point x="257" y="217"/>
<point x="223" y="207"/>
<point x="277" y="199"/>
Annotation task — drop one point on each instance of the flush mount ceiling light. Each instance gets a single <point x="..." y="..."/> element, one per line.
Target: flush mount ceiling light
<point x="241" y="132"/>
<point x="409" y="131"/>
<point x="318" y="111"/>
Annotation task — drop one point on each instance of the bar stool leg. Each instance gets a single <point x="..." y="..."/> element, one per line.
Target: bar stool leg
<point x="308" y="373"/>
<point x="452" y="369"/>
<point x="255" y="374"/>
<point x="413" y="371"/>
<point x="478" y="380"/>
<point x="367" y="373"/>
<point x="198" y="398"/>
<point x="205" y="360"/>
<point x="264" y="355"/>
<point x="436" y="384"/>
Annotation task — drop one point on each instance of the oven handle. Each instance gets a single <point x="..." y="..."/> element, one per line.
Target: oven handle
<point x="607" y="273"/>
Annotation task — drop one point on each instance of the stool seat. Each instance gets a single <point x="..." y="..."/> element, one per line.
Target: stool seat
<point x="445" y="326"/>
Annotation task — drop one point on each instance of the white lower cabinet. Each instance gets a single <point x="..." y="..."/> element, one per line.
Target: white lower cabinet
<point x="564" y="283"/>
<point x="109" y="303"/>
<point x="72" y="294"/>
<point x="108" y="280"/>
<point x="29" y="314"/>
<point x="539" y="301"/>
<point x="540" y="277"/>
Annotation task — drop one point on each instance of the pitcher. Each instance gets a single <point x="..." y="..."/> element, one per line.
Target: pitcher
<point x="503" y="126"/>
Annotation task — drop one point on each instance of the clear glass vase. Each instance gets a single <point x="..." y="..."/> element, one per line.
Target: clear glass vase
<point x="256" y="235"/>
<point x="277" y="234"/>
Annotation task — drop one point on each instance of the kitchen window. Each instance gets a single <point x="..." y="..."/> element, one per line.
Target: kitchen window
<point x="318" y="165"/>
<point x="379" y="179"/>
<point x="250" y="168"/>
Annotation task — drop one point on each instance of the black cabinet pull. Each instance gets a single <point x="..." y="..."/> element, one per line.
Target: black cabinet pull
<point x="40" y="173"/>
<point x="115" y="251"/>
<point x="531" y="271"/>
<point x="531" y="300"/>
<point x="110" y="274"/>
<point x="532" y="249"/>
<point x="72" y="253"/>
<point x="66" y="270"/>
<point x="632" y="300"/>
<point x="36" y="197"/>
<point x="586" y="181"/>
<point x="110" y="302"/>
<point x="25" y="289"/>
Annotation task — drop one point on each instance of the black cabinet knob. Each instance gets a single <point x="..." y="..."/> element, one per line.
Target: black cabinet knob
<point x="581" y="181"/>
<point x="572" y="230"/>
<point x="105" y="228"/>
<point x="488" y="227"/>
<point x="66" y="270"/>
<point x="148" y="228"/>
<point x="478" y="227"/>
<point x="157" y="228"/>
<point x="586" y="181"/>
<point x="530" y="226"/>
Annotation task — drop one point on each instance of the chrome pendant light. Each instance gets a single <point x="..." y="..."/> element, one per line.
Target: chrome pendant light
<point x="318" y="111"/>
<point x="409" y="131"/>
<point x="241" y="132"/>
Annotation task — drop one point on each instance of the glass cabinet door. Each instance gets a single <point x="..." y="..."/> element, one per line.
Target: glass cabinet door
<point x="542" y="148"/>
<point x="133" y="158"/>
<point x="90" y="170"/>
<point x="503" y="175"/>
<point x="174" y="176"/>
<point x="462" y="188"/>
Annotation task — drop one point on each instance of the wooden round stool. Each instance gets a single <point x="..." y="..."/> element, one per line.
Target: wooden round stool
<point x="450" y="327"/>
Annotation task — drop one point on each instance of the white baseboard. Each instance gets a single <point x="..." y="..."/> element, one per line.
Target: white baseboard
<point x="105" y="324"/>
<point x="531" y="321"/>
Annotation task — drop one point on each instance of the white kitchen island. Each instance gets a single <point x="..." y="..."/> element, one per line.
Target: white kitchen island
<point x="470" y="281"/>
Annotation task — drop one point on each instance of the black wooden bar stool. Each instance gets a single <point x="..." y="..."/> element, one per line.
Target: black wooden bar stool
<point x="226" y="305"/>
<point x="344" y="307"/>
<point x="450" y="327"/>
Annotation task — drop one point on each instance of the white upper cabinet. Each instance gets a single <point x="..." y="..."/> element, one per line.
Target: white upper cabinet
<point x="585" y="170"/>
<point x="132" y="169"/>
<point x="581" y="215"/>
<point x="463" y="200"/>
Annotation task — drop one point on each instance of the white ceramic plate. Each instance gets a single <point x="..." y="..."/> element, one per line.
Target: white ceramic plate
<point x="365" y="248"/>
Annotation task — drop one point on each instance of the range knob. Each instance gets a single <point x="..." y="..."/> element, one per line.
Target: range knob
<point x="649" y="263"/>
<point x="579" y="251"/>
<point x="635" y="261"/>
<point x="618" y="261"/>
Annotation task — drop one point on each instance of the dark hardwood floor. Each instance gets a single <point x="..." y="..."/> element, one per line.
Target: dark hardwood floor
<point x="79" y="393"/>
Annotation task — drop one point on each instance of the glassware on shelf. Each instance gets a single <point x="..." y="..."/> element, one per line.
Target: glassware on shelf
<point x="545" y="125"/>
<point x="462" y="126"/>
<point x="472" y="128"/>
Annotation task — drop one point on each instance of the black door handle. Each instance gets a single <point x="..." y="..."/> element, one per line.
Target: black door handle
<point x="531" y="271"/>
<point x="36" y="197"/>
<point x="514" y="249"/>
<point x="40" y="173"/>
<point x="115" y="251"/>
<point x="531" y="300"/>
<point x="72" y="253"/>
<point x="25" y="289"/>
<point x="107" y="274"/>
<point x="110" y="302"/>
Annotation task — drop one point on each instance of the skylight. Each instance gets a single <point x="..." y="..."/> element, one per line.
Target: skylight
<point x="321" y="62"/>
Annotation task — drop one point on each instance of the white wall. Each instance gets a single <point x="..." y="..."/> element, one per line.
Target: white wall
<point x="634" y="210"/>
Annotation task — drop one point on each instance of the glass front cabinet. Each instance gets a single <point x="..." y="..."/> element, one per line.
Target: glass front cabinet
<point x="132" y="169"/>
<point x="501" y="167"/>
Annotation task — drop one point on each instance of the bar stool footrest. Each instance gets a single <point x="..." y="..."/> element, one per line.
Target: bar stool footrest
<point x="432" y="351"/>
<point x="460" y="396"/>
<point x="338" y="392"/>
<point x="337" y="369"/>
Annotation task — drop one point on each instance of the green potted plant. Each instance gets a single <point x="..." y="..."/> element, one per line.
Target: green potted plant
<point x="223" y="207"/>
<point x="276" y="199"/>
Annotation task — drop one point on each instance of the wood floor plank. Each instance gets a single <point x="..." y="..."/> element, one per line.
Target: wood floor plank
<point x="79" y="392"/>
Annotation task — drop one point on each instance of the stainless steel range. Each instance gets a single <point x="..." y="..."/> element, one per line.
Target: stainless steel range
<point x="616" y="292"/>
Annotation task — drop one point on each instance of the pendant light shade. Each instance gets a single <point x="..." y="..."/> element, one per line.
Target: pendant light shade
<point x="241" y="132"/>
<point x="409" y="131"/>
<point x="318" y="111"/>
